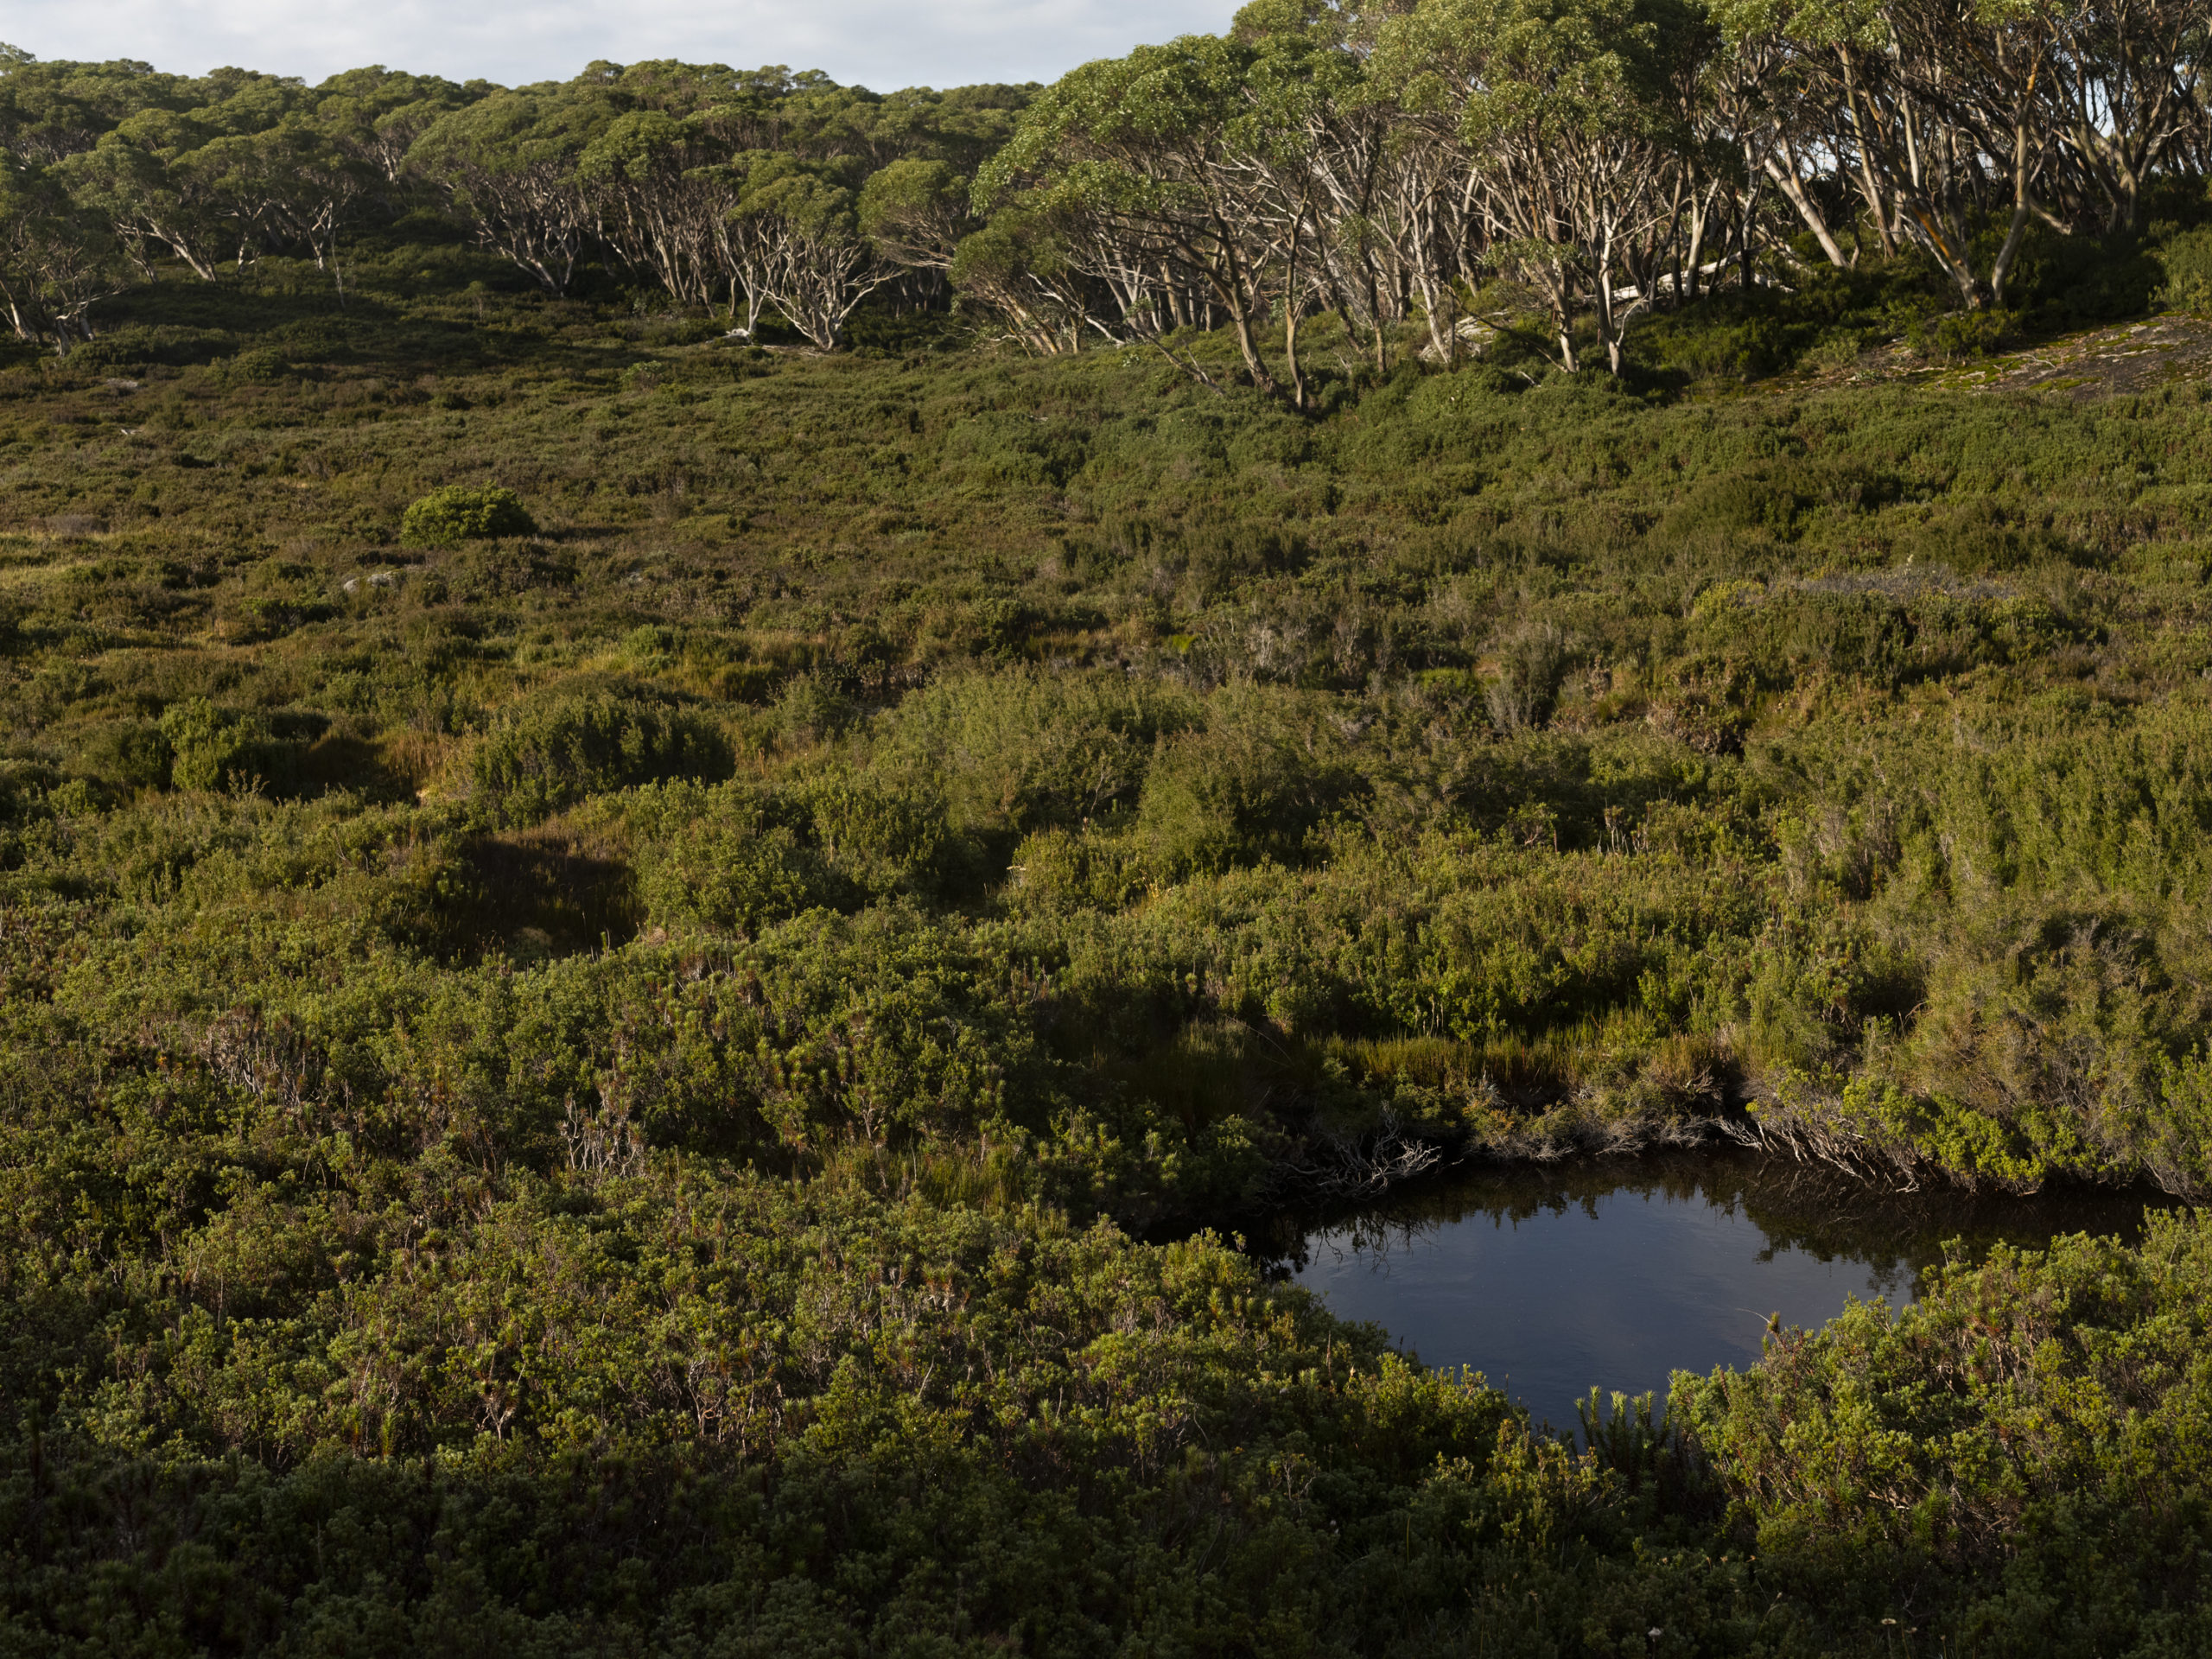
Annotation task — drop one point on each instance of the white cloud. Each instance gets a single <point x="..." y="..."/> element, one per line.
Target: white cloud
<point x="879" y="43"/>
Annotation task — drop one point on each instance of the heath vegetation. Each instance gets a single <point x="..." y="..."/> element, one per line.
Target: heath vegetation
<point x="703" y="775"/>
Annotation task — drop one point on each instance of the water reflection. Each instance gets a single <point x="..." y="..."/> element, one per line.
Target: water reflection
<point x="1617" y="1272"/>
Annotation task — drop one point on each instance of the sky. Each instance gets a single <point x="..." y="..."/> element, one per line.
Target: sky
<point x="884" y="44"/>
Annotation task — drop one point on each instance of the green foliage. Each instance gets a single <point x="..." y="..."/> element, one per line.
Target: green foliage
<point x="889" y="836"/>
<point x="603" y="1092"/>
<point x="2186" y="259"/>
<point x="1957" y="336"/>
<point x="2074" y="1436"/>
<point x="458" y="513"/>
<point x="1060" y="869"/>
<point x="206" y="747"/>
<point x="1240" y="791"/>
<point x="132" y="755"/>
<point x="552" y="749"/>
<point x="1532" y="661"/>
<point x="264" y="366"/>
<point x="1018" y="749"/>
<point x="731" y="858"/>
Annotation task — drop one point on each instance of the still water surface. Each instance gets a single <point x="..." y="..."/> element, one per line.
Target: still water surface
<point x="1617" y="1273"/>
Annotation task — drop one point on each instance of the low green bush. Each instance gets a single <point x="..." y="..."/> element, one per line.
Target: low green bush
<point x="459" y="512"/>
<point x="2186" y="259"/>
<point x="211" y="748"/>
<point x="735" y="858"/>
<point x="1962" y="336"/>
<point x="1242" y="791"/>
<point x="889" y="835"/>
<point x="1531" y="662"/>
<point x="134" y="346"/>
<point x="134" y="754"/>
<point x="2072" y="1435"/>
<point x="261" y="365"/>
<point x="1058" y="870"/>
<point x="552" y="749"/>
<point x="1019" y="749"/>
<point x="813" y="709"/>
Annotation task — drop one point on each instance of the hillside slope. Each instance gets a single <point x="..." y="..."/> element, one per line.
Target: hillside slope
<point x="594" y="1085"/>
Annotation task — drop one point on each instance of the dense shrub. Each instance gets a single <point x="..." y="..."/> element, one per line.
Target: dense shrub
<point x="553" y="749"/>
<point x="1240" y="792"/>
<point x="1957" y="336"/>
<point x="136" y="346"/>
<point x="134" y="755"/>
<point x="733" y="857"/>
<point x="2076" y="1436"/>
<point x="1063" y="869"/>
<point x="813" y="709"/>
<point x="459" y="513"/>
<point x="609" y="1102"/>
<point x="2186" y="260"/>
<point x="262" y="365"/>
<point x="208" y="748"/>
<point x="889" y="836"/>
<point x="1019" y="749"/>
<point x="1531" y="662"/>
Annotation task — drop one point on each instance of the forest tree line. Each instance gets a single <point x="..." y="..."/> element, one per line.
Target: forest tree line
<point x="1434" y="168"/>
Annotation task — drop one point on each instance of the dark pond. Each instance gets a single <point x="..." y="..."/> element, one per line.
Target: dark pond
<point x="1617" y="1272"/>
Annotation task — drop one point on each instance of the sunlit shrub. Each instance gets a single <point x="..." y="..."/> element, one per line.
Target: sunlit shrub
<point x="1531" y="662"/>
<point x="133" y="754"/>
<point x="1019" y="749"/>
<point x="732" y="857"/>
<point x="459" y="512"/>
<point x="262" y="365"/>
<point x="887" y="836"/>
<point x="213" y="749"/>
<point x="1067" y="870"/>
<point x="553" y="749"/>
<point x="813" y="707"/>
<point x="2187" y="261"/>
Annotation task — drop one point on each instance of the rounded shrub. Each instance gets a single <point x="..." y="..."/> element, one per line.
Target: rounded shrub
<point x="730" y="857"/>
<point x="461" y="512"/>
<point x="213" y="749"/>
<point x="888" y="835"/>
<point x="1022" y="749"/>
<point x="2186" y="260"/>
<point x="1057" y="871"/>
<point x="552" y="750"/>
<point x="1239" y="792"/>
<point x="1959" y="336"/>
<point x="813" y="709"/>
<point x="1531" y="665"/>
<point x="264" y="365"/>
<point x="129" y="754"/>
